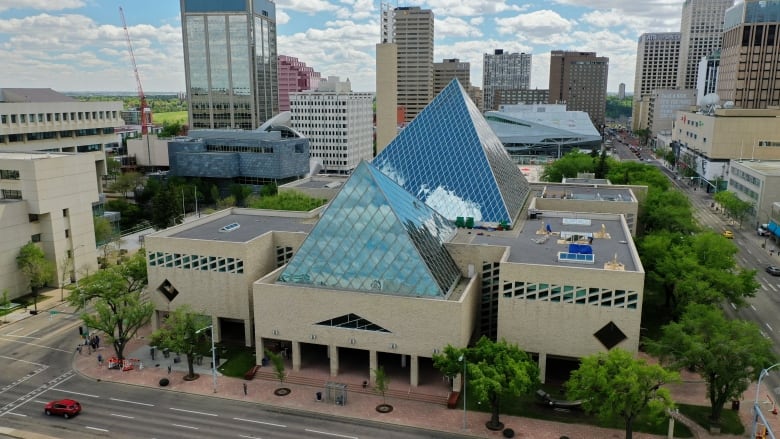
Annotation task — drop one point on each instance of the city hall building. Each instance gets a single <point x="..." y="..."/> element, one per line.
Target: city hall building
<point x="424" y="247"/>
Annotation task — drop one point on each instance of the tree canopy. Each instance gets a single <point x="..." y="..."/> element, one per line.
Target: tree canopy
<point x="728" y="354"/>
<point x="116" y="295"/>
<point x="733" y="205"/>
<point x="616" y="385"/>
<point x="182" y="332"/>
<point x="666" y="210"/>
<point x="494" y="370"/>
<point x="38" y="270"/>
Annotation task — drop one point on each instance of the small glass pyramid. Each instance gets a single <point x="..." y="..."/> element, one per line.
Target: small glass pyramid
<point x="376" y="237"/>
<point x="450" y="158"/>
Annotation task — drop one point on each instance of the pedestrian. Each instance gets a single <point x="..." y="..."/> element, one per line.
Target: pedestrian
<point x="97" y="341"/>
<point x="78" y="348"/>
<point x="100" y="360"/>
<point x="244" y="389"/>
<point x="169" y="369"/>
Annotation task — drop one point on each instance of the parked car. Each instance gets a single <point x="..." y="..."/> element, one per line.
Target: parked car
<point x="773" y="270"/>
<point x="64" y="407"/>
<point x="728" y="234"/>
<point x="763" y="230"/>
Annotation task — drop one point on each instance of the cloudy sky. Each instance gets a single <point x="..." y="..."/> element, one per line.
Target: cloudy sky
<point x="79" y="45"/>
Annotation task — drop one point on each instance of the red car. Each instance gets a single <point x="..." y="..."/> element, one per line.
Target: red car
<point x="64" y="407"/>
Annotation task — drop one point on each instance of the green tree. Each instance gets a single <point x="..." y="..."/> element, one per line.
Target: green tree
<point x="126" y="183"/>
<point x="278" y="363"/>
<point x="381" y="382"/>
<point x="734" y="206"/>
<point x="182" y="332"/>
<point x="171" y="129"/>
<point x="38" y="270"/>
<point x="269" y="189"/>
<point x="616" y="385"/>
<point x="666" y="210"/>
<point x="104" y="231"/>
<point x="119" y="308"/>
<point x="240" y="193"/>
<point x="728" y="354"/>
<point x="494" y="370"/>
<point x="165" y="210"/>
<point x="568" y="166"/>
<point x="643" y="134"/>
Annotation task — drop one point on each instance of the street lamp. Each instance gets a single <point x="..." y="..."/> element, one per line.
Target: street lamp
<point x="213" y="354"/>
<point x="462" y="358"/>
<point x="756" y="407"/>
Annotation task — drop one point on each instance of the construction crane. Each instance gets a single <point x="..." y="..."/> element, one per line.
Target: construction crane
<point x="146" y="111"/>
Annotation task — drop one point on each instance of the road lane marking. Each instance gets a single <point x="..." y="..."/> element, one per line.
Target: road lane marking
<point x="248" y="437"/>
<point x="17" y="414"/>
<point x="193" y="412"/>
<point x="23" y="361"/>
<point x="35" y="344"/>
<point x="747" y="264"/>
<point x="131" y="402"/>
<point x="773" y="288"/>
<point x="122" y="416"/>
<point x="733" y="306"/>
<point x="31" y="333"/>
<point x="96" y="429"/>
<point x="13" y="332"/>
<point x="754" y="308"/>
<point x="763" y="333"/>
<point x="185" y="426"/>
<point x="261" y="422"/>
<point x="36" y="393"/>
<point x="770" y="328"/>
<point x="331" y="434"/>
<point x="77" y="393"/>
<point x="22" y="336"/>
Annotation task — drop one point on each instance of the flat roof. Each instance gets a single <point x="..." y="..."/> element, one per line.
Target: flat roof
<point x="586" y="192"/>
<point x="32" y="155"/>
<point x="769" y="168"/>
<point x="250" y="227"/>
<point x="531" y="244"/>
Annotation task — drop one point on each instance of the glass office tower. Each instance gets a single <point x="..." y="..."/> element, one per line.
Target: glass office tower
<point x="230" y="62"/>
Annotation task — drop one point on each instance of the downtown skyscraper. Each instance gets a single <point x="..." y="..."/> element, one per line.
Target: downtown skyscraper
<point x="701" y="33"/>
<point x="657" y="62"/>
<point x="504" y="71"/>
<point x="411" y="30"/>
<point x="579" y="79"/>
<point x="230" y="62"/>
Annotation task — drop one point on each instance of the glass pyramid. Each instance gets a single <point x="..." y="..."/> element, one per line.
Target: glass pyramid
<point x="449" y="158"/>
<point x="376" y="237"/>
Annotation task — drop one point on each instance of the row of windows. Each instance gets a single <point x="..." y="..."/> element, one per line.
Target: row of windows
<point x="55" y="134"/>
<point x="9" y="174"/>
<point x="240" y="148"/>
<point x="745" y="176"/>
<point x="572" y="294"/>
<point x="10" y="194"/>
<point x="737" y="186"/>
<point x="194" y="262"/>
<point x="57" y="117"/>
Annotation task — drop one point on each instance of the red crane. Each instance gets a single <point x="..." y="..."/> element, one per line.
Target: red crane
<point x="146" y="111"/>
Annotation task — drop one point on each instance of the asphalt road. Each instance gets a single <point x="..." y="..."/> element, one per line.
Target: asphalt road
<point x="36" y="356"/>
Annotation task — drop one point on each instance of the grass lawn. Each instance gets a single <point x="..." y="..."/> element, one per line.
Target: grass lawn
<point x="239" y="360"/>
<point x="528" y="406"/>
<point x="174" y="116"/>
<point x="729" y="419"/>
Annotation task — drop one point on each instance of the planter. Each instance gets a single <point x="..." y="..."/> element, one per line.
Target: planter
<point x="194" y="377"/>
<point x="384" y="408"/>
<point x="164" y="382"/>
<point x="282" y="391"/>
<point x="508" y="432"/>
<point x="496" y="427"/>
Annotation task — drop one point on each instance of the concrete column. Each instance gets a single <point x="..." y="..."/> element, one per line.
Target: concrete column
<point x="414" y="376"/>
<point x="334" y="360"/>
<point x="542" y="366"/>
<point x="372" y="365"/>
<point x="249" y="333"/>
<point x="296" y="356"/>
<point x="259" y="350"/>
<point x="403" y="361"/>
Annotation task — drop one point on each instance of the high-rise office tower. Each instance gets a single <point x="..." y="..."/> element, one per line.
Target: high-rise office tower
<point x="444" y="71"/>
<point x="411" y="30"/>
<point x="579" y="79"/>
<point x="657" y="60"/>
<point x="701" y="32"/>
<point x="503" y="71"/>
<point x="749" y="73"/>
<point x="707" y="79"/>
<point x="294" y="76"/>
<point x="230" y="62"/>
<point x="622" y="91"/>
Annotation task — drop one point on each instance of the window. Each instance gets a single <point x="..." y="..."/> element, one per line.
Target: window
<point x="9" y="174"/>
<point x="65" y="213"/>
<point x="67" y="233"/>
<point x="10" y="194"/>
<point x="36" y="237"/>
<point x="33" y="217"/>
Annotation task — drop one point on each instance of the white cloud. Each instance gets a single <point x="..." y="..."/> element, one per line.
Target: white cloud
<point x="41" y="5"/>
<point x="306" y="6"/>
<point x="454" y="27"/>
<point x="357" y="10"/>
<point x="542" y="23"/>
<point x="461" y="8"/>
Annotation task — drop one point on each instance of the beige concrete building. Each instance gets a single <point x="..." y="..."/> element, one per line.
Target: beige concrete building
<point x="757" y="182"/>
<point x="46" y="198"/>
<point x="444" y="71"/>
<point x="386" y="94"/>
<point x="657" y="60"/>
<point x="579" y="79"/>
<point x="749" y="73"/>
<point x="704" y="143"/>
<point x="701" y="30"/>
<point x="662" y="107"/>
<point x="503" y="71"/>
<point x="520" y="96"/>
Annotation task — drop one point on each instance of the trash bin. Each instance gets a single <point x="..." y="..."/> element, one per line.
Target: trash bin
<point x="735" y="405"/>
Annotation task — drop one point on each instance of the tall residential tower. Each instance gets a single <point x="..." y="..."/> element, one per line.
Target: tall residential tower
<point x="230" y="62"/>
<point x="411" y="30"/>
<point x="701" y="31"/>
<point x="579" y="79"/>
<point x="657" y="59"/>
<point x="503" y="71"/>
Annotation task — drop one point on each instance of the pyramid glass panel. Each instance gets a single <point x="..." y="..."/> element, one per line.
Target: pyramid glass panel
<point x="376" y="237"/>
<point x="449" y="158"/>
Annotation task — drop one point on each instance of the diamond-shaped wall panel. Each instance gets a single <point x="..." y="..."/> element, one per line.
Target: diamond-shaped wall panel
<point x="610" y="335"/>
<point x="168" y="290"/>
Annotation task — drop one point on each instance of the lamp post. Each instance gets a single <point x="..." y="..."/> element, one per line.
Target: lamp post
<point x="756" y="408"/>
<point x="213" y="354"/>
<point x="463" y="359"/>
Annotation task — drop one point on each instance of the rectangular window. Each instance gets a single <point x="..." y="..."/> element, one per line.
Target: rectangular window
<point x="9" y="174"/>
<point x="64" y="213"/>
<point x="67" y="233"/>
<point x="33" y="217"/>
<point x="10" y="194"/>
<point x="36" y="237"/>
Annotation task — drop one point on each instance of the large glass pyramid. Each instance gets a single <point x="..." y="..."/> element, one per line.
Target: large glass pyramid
<point x="449" y="158"/>
<point x="376" y="237"/>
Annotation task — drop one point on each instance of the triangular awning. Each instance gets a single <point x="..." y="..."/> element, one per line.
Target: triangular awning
<point x="352" y="321"/>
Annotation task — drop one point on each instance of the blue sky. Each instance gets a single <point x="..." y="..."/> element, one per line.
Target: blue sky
<point x="79" y="45"/>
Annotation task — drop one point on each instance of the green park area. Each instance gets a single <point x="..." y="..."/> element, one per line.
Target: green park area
<point x="170" y="117"/>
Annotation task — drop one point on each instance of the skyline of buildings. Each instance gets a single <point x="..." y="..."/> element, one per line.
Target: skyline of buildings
<point x="294" y="76"/>
<point x="579" y="79"/>
<point x="701" y="33"/>
<point x="657" y="61"/>
<point x="503" y="71"/>
<point x="232" y="81"/>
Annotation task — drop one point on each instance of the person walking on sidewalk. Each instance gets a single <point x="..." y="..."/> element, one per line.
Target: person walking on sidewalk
<point x="245" y="389"/>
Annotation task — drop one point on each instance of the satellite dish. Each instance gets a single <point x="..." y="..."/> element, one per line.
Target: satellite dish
<point x="710" y="99"/>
